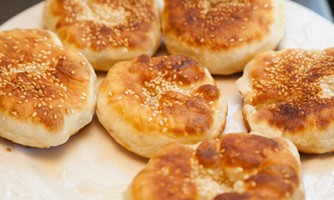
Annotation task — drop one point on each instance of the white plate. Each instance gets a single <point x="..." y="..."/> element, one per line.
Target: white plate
<point x="91" y="165"/>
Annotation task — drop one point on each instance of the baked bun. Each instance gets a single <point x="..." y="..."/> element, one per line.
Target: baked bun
<point x="291" y="94"/>
<point x="148" y="102"/>
<point x="105" y="31"/>
<point x="47" y="93"/>
<point x="238" y="166"/>
<point x="223" y="35"/>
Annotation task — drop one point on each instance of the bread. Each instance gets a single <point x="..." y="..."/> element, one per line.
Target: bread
<point x="105" y="31"/>
<point x="47" y="93"/>
<point x="236" y="166"/>
<point x="290" y="94"/>
<point x="148" y="102"/>
<point x="222" y="35"/>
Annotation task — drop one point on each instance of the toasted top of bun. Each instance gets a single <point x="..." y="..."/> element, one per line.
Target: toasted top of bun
<point x="42" y="85"/>
<point x="291" y="92"/>
<point x="149" y="102"/>
<point x="105" y="31"/>
<point x="222" y="34"/>
<point x="236" y="166"/>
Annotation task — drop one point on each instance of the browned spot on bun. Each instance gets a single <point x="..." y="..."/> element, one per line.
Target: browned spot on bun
<point x="209" y="92"/>
<point x="198" y="118"/>
<point x="178" y="172"/>
<point x="292" y="92"/>
<point x="170" y="96"/>
<point x="232" y="146"/>
<point x="208" y="154"/>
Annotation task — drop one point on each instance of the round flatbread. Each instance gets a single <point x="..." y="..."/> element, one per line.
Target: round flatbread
<point x="47" y="93"/>
<point x="236" y="166"/>
<point x="148" y="102"/>
<point x="290" y="94"/>
<point x="105" y="31"/>
<point x="223" y="35"/>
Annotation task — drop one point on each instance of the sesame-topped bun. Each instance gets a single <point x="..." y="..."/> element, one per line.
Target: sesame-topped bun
<point x="148" y="102"/>
<point x="235" y="167"/>
<point x="222" y="34"/>
<point x="47" y="93"/>
<point x="105" y="31"/>
<point x="291" y="94"/>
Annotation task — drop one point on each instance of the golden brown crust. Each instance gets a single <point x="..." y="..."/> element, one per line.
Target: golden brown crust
<point x="172" y="96"/>
<point x="248" y="166"/>
<point x="88" y="33"/>
<point x="105" y="27"/>
<point x="39" y="80"/>
<point x="297" y="75"/>
<point x="222" y="34"/>
<point x="41" y="83"/>
<point x="214" y="22"/>
<point x="292" y="92"/>
<point x="157" y="84"/>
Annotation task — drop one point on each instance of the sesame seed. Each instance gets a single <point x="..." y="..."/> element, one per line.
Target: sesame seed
<point x="232" y="40"/>
<point x="253" y="184"/>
